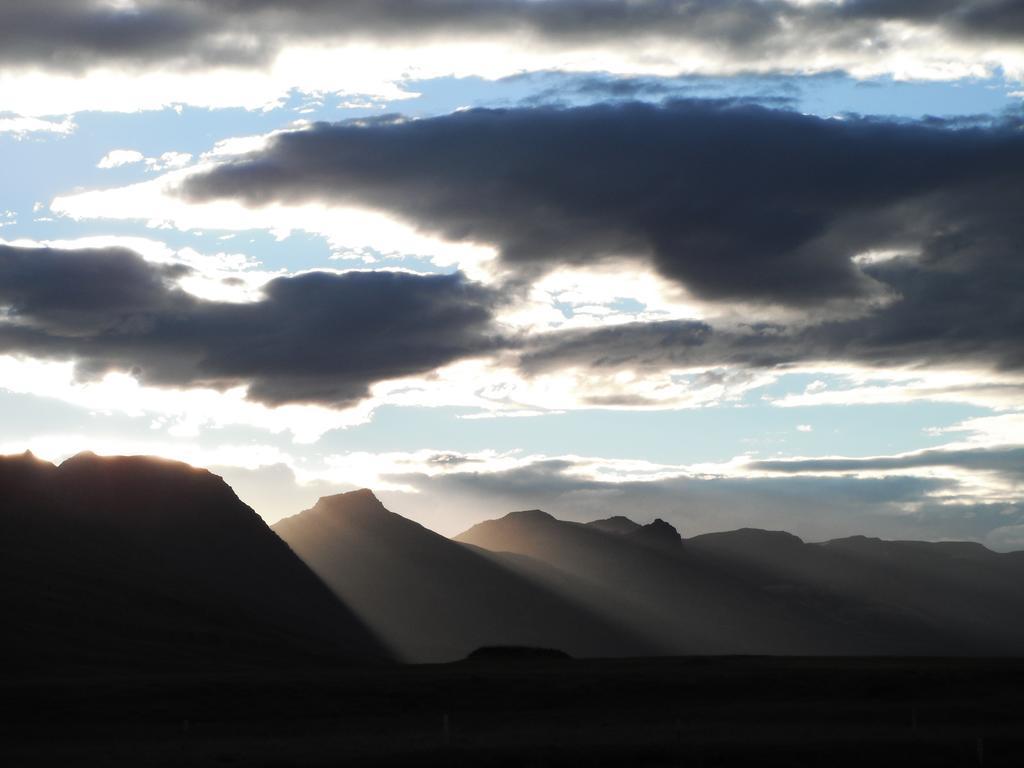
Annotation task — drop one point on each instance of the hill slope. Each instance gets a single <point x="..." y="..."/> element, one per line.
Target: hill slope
<point x="139" y="563"/>
<point x="435" y="599"/>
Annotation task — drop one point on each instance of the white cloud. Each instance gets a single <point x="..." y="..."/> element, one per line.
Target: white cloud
<point x="118" y="157"/>
<point x="972" y="484"/>
<point x="351" y="232"/>
<point x="57" y="447"/>
<point x="594" y="297"/>
<point x="356" y="70"/>
<point x="986" y="431"/>
<point x="22" y="126"/>
<point x="367" y="71"/>
<point x="168" y="160"/>
<point x="183" y="412"/>
<point x="876" y="386"/>
<point x="498" y="389"/>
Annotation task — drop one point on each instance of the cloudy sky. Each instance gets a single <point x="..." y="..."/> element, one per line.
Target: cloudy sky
<point x="726" y="262"/>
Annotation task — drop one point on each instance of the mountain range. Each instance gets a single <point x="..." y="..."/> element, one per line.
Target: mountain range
<point x="135" y="563"/>
<point x="767" y="592"/>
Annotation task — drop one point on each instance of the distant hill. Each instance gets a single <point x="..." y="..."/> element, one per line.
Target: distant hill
<point x="965" y="598"/>
<point x="964" y="591"/>
<point x="768" y="592"/>
<point x="434" y="599"/>
<point x="140" y="563"/>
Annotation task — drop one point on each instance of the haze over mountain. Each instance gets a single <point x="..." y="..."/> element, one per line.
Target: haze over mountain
<point x="434" y="599"/>
<point x="753" y="591"/>
<point x="140" y="563"/>
<point x="528" y="578"/>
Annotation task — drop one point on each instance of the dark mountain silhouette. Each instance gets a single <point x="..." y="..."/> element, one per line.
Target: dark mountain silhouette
<point x="616" y="524"/>
<point x="748" y="542"/>
<point x="657" y="534"/>
<point x="140" y="563"/>
<point x="753" y="591"/>
<point x="434" y="599"/>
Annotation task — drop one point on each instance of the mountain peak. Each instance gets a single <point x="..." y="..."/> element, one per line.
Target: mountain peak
<point x="350" y="502"/>
<point x="25" y="482"/>
<point x="618" y="525"/>
<point x="87" y="458"/>
<point x="83" y="455"/>
<point x="26" y="459"/>
<point x="90" y="462"/>
<point x="657" y="534"/>
<point x="530" y="516"/>
<point x="360" y="494"/>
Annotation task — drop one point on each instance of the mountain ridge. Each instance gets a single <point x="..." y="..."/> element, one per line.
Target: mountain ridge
<point x="435" y="599"/>
<point x="758" y="591"/>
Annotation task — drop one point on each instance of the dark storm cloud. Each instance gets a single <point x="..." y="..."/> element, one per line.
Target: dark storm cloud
<point x="731" y="200"/>
<point x="68" y="34"/>
<point x="1000" y="19"/>
<point x="946" y="317"/>
<point x="656" y="345"/>
<point x="551" y="479"/>
<point x="71" y="33"/>
<point x="316" y="337"/>
<point x="957" y="305"/>
<point x="1005" y="461"/>
<point x="85" y="291"/>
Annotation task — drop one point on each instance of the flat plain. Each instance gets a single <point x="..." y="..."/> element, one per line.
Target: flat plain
<point x="696" y="711"/>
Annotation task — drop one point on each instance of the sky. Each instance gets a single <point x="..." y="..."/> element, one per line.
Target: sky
<point x="753" y="263"/>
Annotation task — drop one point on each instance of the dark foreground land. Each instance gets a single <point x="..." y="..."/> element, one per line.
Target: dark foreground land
<point x="534" y="712"/>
